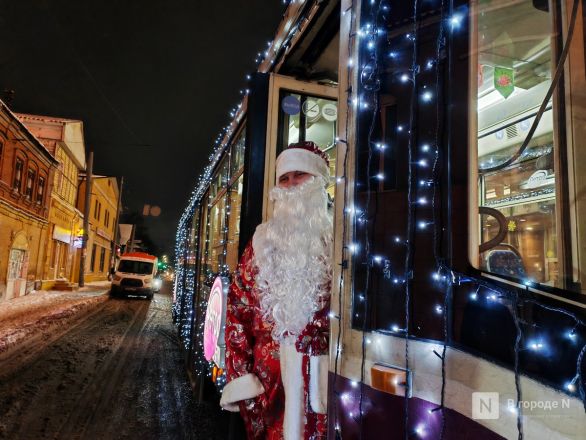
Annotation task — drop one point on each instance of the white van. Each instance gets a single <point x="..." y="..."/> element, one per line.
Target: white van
<point x="135" y="275"/>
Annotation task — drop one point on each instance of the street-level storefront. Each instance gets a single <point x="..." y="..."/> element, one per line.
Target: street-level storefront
<point x="65" y="225"/>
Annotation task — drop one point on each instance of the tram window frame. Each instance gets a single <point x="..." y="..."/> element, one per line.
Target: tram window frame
<point x="565" y="231"/>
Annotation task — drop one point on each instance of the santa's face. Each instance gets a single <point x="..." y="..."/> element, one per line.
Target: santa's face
<point x="293" y="178"/>
<point x="292" y="252"/>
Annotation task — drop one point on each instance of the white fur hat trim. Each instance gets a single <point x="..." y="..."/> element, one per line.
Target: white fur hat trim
<point x="300" y="159"/>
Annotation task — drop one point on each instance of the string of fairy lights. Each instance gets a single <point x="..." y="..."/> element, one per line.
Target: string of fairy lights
<point x="424" y="187"/>
<point x="364" y="100"/>
<point x="186" y="289"/>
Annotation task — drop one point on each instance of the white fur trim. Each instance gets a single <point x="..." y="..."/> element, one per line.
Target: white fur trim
<point x="292" y="377"/>
<point x="241" y="388"/>
<point x="318" y="383"/>
<point x="298" y="159"/>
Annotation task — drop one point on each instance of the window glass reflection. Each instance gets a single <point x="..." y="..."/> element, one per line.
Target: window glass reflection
<point x="514" y="73"/>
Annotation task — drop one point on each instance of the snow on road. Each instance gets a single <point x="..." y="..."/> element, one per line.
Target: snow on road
<point x="45" y="314"/>
<point x="117" y="372"/>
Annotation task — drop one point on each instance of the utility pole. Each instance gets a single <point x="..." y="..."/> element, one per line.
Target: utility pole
<point x="131" y="245"/>
<point x="116" y="227"/>
<point x="86" y="217"/>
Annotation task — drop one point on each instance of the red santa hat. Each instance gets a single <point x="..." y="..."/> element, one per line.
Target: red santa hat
<point x="306" y="157"/>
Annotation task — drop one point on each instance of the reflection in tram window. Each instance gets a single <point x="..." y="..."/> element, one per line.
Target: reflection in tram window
<point x="235" y="194"/>
<point x="217" y="225"/>
<point x="514" y="73"/>
<point x="309" y="118"/>
<point x="237" y="155"/>
<point x="204" y="244"/>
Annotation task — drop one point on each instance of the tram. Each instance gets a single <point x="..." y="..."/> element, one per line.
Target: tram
<point x="456" y="135"/>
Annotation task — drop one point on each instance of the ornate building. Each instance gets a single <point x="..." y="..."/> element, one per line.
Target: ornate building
<point x="64" y="140"/>
<point x="26" y="177"/>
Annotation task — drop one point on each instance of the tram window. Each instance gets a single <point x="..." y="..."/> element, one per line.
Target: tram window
<point x="237" y="154"/>
<point x="204" y="270"/>
<point x="235" y="194"/>
<point x="193" y="239"/>
<point x="217" y="226"/>
<point x="220" y="179"/>
<point x="517" y="197"/>
<point x="309" y="118"/>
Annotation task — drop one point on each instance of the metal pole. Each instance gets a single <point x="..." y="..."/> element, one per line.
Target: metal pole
<point x="86" y="218"/>
<point x="132" y="239"/>
<point x="117" y="223"/>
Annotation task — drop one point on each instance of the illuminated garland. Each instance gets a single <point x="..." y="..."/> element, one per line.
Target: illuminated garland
<point x="367" y="101"/>
<point x="190" y="328"/>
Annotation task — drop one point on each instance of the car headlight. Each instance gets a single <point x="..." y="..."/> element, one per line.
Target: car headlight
<point x="147" y="281"/>
<point x="157" y="283"/>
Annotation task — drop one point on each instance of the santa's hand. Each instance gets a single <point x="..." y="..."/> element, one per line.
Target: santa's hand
<point x="242" y="388"/>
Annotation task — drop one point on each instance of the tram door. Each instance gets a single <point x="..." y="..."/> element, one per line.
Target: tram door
<point x="299" y="111"/>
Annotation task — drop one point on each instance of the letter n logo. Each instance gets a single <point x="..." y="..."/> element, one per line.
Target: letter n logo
<point x="485" y="406"/>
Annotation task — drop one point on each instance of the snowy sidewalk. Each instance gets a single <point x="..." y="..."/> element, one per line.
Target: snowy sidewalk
<point x="43" y="313"/>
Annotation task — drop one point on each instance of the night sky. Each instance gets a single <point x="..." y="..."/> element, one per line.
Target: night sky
<point x="152" y="80"/>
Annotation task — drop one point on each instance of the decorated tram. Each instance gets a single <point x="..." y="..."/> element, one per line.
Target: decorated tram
<point x="456" y="134"/>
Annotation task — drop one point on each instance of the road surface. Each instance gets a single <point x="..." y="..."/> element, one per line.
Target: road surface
<point x="116" y="374"/>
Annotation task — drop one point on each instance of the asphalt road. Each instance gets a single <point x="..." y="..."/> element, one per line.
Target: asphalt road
<point x="116" y="374"/>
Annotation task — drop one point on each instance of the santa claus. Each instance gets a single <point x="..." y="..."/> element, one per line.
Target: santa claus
<point x="277" y="327"/>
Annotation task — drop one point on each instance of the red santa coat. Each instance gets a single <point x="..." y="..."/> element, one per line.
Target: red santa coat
<point x="281" y="391"/>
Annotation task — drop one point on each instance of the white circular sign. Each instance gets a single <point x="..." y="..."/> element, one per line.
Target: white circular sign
<point x="311" y="108"/>
<point x="329" y="112"/>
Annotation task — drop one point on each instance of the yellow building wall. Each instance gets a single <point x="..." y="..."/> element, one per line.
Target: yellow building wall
<point x="62" y="261"/>
<point x="102" y="219"/>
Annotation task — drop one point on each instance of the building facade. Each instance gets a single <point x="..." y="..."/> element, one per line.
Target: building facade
<point x="64" y="140"/>
<point x="103" y="214"/>
<point x="26" y="178"/>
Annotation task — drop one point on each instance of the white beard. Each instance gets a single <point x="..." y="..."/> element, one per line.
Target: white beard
<point x="292" y="252"/>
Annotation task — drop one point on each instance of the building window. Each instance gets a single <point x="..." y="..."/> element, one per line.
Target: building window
<point x="96" y="210"/>
<point x="17" y="180"/>
<point x="102" y="258"/>
<point x="30" y="183"/>
<point x="106" y="218"/>
<point x="40" y="190"/>
<point x="93" y="259"/>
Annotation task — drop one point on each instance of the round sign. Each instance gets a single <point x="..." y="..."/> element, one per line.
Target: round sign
<point x="311" y="108"/>
<point x="291" y="105"/>
<point x="329" y="112"/>
<point x="213" y="322"/>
